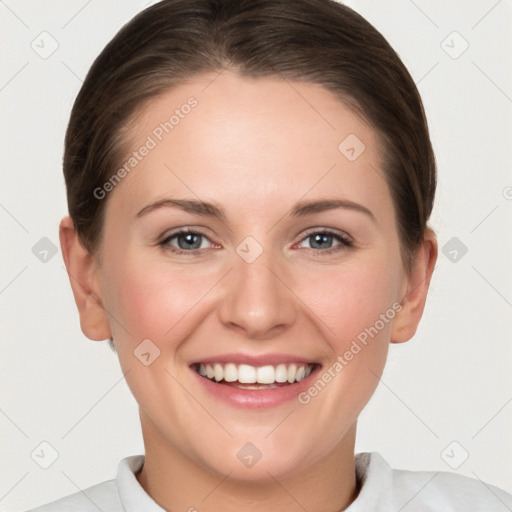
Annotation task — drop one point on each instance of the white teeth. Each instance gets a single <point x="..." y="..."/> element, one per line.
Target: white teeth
<point x="246" y="374"/>
<point x="292" y="372"/>
<point x="230" y="372"/>
<point x="265" y="375"/>
<point x="281" y="373"/>
<point x="219" y="372"/>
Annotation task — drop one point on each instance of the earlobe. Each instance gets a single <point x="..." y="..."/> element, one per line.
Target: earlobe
<point x="82" y="272"/>
<point x="415" y="296"/>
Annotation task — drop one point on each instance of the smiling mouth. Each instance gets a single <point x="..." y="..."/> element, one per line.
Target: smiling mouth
<point x="244" y="376"/>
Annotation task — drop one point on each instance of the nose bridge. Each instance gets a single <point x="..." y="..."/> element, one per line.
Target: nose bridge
<point x="257" y="300"/>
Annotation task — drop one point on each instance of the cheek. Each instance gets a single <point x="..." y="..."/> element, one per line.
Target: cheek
<point x="350" y="299"/>
<point x="157" y="304"/>
<point x="357" y="304"/>
<point x="149" y="301"/>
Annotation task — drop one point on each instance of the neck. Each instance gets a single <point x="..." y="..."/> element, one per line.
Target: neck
<point x="176" y="482"/>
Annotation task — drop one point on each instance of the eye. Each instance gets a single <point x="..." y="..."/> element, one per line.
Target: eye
<point x="192" y="242"/>
<point x="188" y="241"/>
<point x="322" y="241"/>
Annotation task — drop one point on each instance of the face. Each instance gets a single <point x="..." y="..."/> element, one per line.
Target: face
<point x="293" y="273"/>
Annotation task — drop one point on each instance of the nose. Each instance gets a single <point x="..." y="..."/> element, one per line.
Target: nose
<point x="258" y="301"/>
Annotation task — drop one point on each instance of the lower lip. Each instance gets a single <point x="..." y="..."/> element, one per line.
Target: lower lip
<point x="256" y="398"/>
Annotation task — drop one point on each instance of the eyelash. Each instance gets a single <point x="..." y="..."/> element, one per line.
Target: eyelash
<point x="346" y="242"/>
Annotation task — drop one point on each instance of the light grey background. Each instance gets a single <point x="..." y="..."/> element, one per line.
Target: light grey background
<point x="444" y="395"/>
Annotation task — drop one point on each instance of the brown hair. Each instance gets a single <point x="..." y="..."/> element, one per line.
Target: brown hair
<point x="316" y="41"/>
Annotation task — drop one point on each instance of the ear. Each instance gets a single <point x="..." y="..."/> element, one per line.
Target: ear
<point x="415" y="290"/>
<point x="83" y="275"/>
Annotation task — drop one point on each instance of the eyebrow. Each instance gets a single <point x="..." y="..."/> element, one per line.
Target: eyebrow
<point x="301" y="209"/>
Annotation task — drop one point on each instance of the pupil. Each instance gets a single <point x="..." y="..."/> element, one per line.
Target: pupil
<point x="319" y="239"/>
<point x="189" y="244"/>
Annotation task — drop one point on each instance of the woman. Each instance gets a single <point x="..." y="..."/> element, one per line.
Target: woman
<point x="249" y="186"/>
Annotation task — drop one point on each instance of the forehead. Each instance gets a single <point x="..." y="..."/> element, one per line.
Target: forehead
<point x="253" y="141"/>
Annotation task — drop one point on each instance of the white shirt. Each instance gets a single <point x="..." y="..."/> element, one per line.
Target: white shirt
<point x="383" y="489"/>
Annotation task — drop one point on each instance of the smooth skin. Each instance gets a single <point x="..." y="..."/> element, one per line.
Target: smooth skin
<point x="255" y="148"/>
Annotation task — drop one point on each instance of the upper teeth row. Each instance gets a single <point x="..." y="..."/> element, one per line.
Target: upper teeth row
<point x="247" y="374"/>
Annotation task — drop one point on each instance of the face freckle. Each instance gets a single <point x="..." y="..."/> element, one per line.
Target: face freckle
<point x="261" y="285"/>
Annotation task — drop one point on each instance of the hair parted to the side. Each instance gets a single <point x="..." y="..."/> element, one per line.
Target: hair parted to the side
<point x="316" y="41"/>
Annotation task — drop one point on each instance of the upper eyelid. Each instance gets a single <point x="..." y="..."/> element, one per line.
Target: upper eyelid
<point x="332" y="231"/>
<point x="183" y="230"/>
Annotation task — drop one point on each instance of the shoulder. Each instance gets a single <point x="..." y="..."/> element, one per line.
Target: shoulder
<point x="113" y="495"/>
<point x="102" y="496"/>
<point x="427" y="491"/>
<point x="441" y="490"/>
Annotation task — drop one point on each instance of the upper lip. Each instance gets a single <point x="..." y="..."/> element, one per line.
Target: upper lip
<point x="254" y="359"/>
